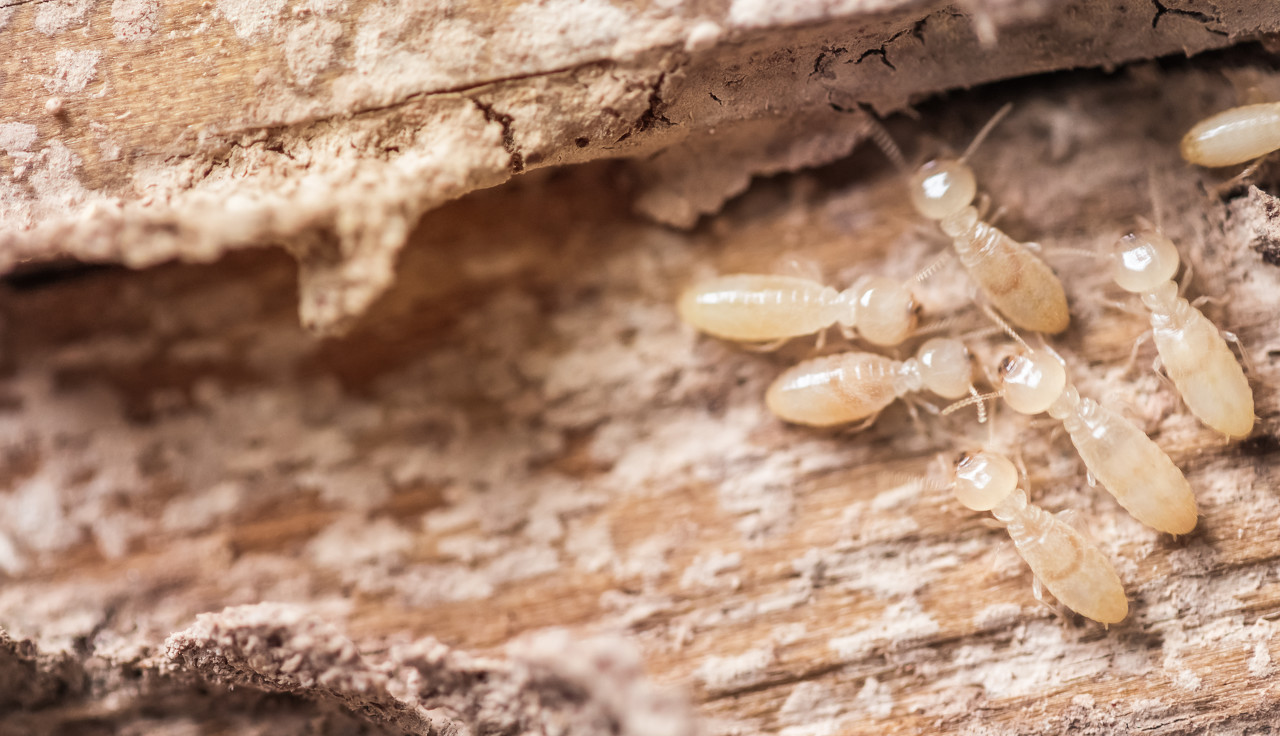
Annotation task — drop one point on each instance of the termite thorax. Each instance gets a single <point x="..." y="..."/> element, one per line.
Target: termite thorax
<point x="960" y="222"/>
<point x="1163" y="300"/>
<point x="845" y="306"/>
<point x="1011" y="507"/>
<point x="1067" y="404"/>
<point x="909" y="379"/>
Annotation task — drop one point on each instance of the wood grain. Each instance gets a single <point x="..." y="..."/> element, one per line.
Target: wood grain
<point x="520" y="436"/>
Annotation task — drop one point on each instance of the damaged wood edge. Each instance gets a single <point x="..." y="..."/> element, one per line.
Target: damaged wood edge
<point x="343" y="279"/>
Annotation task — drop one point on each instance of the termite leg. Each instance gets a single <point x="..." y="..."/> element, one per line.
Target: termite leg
<point x="1187" y="269"/>
<point x="1000" y="212"/>
<point x="1229" y="185"/>
<point x="1125" y="307"/>
<point x="849" y="333"/>
<point x="1131" y="411"/>
<point x="821" y="341"/>
<point x="1157" y="365"/>
<point x="860" y="426"/>
<point x="1244" y="175"/>
<point x="1133" y="354"/>
<point x="766" y="347"/>
<point x="1038" y="591"/>
<point x="928" y="406"/>
<point x="926" y="231"/>
<point x="913" y="413"/>
<point x="864" y="424"/>
<point x="804" y="268"/>
<point x="1042" y="422"/>
<point x="1201" y="300"/>
<point x="983" y="205"/>
<point x="1073" y="519"/>
<point x="1205" y="299"/>
<point x="1022" y="468"/>
<point x="1245" y="360"/>
<point x="1253" y="94"/>
<point x="913" y="410"/>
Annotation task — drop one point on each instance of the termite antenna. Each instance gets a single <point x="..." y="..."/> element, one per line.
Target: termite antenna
<point x="1024" y="476"/>
<point x="934" y="266"/>
<point x="977" y="398"/>
<point x="1081" y="252"/>
<point x="1144" y="222"/>
<point x="938" y="485"/>
<point x="991" y="429"/>
<point x="1008" y="330"/>
<point x="1049" y="349"/>
<point x="1155" y="201"/>
<point x="924" y="483"/>
<point x="982" y="404"/>
<point x="876" y="131"/>
<point x="941" y="460"/>
<point x="944" y="325"/>
<point x="979" y="333"/>
<point x="986" y="130"/>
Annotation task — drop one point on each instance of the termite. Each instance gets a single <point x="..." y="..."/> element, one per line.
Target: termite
<point x="848" y="387"/>
<point x="1234" y="136"/>
<point x="1192" y="349"/>
<point x="1128" y="464"/>
<point x="1062" y="559"/>
<point x="772" y="309"/>
<point x="1013" y="279"/>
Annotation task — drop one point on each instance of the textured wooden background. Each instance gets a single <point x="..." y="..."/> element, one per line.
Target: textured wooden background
<point x="518" y="438"/>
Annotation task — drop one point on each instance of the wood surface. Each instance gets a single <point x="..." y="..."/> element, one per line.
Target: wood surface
<point x="139" y="132"/>
<point x="518" y="496"/>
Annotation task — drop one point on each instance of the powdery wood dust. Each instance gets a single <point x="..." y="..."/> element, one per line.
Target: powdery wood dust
<point x="520" y="439"/>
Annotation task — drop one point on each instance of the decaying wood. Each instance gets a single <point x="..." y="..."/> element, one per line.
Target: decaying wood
<point x="146" y="132"/>
<point x="517" y="496"/>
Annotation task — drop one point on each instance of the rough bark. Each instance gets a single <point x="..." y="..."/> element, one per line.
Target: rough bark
<point x="517" y="496"/>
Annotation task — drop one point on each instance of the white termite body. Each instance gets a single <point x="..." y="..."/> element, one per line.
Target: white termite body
<point x="853" y="386"/>
<point x="1017" y="283"/>
<point x="1068" y="564"/>
<point x="1192" y="349"/>
<point x="1234" y="136"/>
<point x="764" y="308"/>
<point x="1120" y="456"/>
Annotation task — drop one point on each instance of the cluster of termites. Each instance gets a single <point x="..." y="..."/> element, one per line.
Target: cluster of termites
<point x="1017" y="290"/>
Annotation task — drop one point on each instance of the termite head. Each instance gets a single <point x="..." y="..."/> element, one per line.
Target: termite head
<point x="945" y="367"/>
<point x="887" y="313"/>
<point x="1143" y="260"/>
<point x="1031" y="381"/>
<point x="942" y="187"/>
<point x="984" y="479"/>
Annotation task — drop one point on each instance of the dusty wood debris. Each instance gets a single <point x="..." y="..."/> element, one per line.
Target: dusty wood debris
<point x="507" y="491"/>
